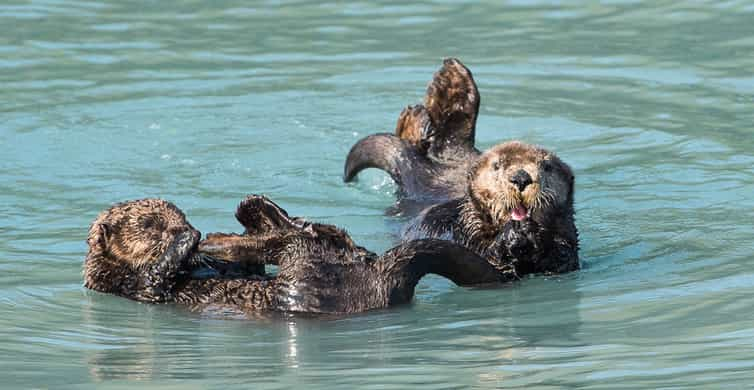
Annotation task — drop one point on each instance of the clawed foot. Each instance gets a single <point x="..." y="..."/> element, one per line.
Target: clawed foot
<point x="452" y="100"/>
<point x="415" y="126"/>
<point x="259" y="215"/>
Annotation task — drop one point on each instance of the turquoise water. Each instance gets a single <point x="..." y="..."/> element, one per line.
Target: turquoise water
<point x="203" y="102"/>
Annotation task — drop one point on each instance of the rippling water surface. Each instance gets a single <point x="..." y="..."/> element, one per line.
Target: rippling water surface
<point x="204" y="102"/>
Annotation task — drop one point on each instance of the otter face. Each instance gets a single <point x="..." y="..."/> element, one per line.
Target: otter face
<point x="516" y="181"/>
<point x="138" y="232"/>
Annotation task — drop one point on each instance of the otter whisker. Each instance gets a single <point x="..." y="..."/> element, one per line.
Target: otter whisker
<point x="502" y="204"/>
<point x="550" y="197"/>
<point x="541" y="201"/>
<point x="546" y="198"/>
<point x="514" y="221"/>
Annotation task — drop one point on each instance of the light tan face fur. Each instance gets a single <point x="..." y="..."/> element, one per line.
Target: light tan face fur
<point x="491" y="186"/>
<point x="138" y="232"/>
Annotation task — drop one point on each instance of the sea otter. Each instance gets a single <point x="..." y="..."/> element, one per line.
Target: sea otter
<point x="517" y="212"/>
<point x="147" y="251"/>
<point x="433" y="145"/>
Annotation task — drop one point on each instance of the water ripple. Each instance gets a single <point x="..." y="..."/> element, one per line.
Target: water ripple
<point x="650" y="102"/>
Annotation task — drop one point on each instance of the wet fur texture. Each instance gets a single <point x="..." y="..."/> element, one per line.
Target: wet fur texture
<point x="433" y="145"/>
<point x="133" y="247"/>
<point x="545" y="241"/>
<point x="321" y="270"/>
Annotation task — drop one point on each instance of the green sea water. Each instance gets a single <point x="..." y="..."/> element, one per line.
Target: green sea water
<point x="201" y="103"/>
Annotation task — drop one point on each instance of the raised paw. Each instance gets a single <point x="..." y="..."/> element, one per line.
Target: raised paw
<point x="259" y="215"/>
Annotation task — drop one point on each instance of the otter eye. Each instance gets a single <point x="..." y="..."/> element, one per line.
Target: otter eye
<point x="496" y="165"/>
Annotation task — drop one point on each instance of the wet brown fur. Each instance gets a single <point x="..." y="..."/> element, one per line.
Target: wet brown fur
<point x="136" y="231"/>
<point x="321" y="270"/>
<point x="126" y="243"/>
<point x="433" y="145"/>
<point x="413" y="123"/>
<point x="544" y="242"/>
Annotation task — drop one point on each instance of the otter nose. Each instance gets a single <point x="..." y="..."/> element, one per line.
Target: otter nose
<point x="521" y="179"/>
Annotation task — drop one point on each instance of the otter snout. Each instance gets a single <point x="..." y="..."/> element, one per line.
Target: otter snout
<point x="521" y="179"/>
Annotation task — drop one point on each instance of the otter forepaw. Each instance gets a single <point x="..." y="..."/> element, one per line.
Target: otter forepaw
<point x="160" y="277"/>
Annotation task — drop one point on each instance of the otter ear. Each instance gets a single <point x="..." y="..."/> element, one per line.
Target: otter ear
<point x="452" y="101"/>
<point x="258" y="214"/>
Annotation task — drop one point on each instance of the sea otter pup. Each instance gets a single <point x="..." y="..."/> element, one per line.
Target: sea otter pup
<point x="145" y="250"/>
<point x="433" y="145"/>
<point x="517" y="212"/>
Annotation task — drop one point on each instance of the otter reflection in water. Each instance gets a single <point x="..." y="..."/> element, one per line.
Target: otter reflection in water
<point x="433" y="145"/>
<point x="146" y="250"/>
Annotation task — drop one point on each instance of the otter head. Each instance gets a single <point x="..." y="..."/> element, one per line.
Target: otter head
<point x="515" y="181"/>
<point x="137" y="232"/>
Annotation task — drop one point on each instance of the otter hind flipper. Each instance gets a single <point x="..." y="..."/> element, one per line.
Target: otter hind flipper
<point x="264" y="221"/>
<point x="382" y="151"/>
<point x="250" y="250"/>
<point x="258" y="214"/>
<point x="415" y="126"/>
<point x="267" y="225"/>
<point x="452" y="100"/>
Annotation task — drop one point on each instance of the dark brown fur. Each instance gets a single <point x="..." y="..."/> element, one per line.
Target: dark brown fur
<point x="545" y="241"/>
<point x="433" y="145"/>
<point x="133" y="247"/>
<point x="321" y="270"/>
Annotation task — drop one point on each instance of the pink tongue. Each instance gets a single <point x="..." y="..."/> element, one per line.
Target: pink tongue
<point x="518" y="213"/>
